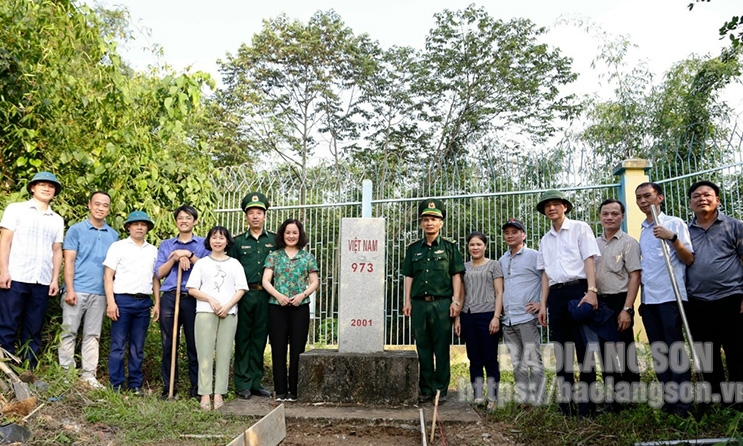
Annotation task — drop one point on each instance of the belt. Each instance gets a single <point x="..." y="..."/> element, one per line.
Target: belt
<point x="184" y="293"/>
<point x="255" y="286"/>
<point x="557" y="286"/>
<point x="612" y="296"/>
<point x="137" y="295"/>
<point x="429" y="298"/>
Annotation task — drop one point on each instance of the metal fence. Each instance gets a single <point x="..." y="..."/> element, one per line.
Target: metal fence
<point x="480" y="193"/>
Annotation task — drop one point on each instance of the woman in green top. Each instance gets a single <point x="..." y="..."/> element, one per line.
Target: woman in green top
<point x="290" y="276"/>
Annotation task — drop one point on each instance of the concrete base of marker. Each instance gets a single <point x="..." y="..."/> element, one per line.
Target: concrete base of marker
<point x="387" y="378"/>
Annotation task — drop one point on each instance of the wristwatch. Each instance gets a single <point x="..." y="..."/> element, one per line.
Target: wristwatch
<point x="457" y="303"/>
<point x="674" y="238"/>
<point x="629" y="310"/>
<point x="594" y="289"/>
<point x="191" y="256"/>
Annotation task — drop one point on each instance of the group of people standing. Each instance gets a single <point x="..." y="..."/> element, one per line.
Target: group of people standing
<point x="240" y="291"/>
<point x="232" y="291"/>
<point x="585" y="288"/>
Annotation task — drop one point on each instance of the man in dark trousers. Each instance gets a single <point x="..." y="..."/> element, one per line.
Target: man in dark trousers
<point x="251" y="249"/>
<point x="618" y="272"/>
<point x="714" y="283"/>
<point x="179" y="252"/>
<point x="566" y="257"/>
<point x="432" y="268"/>
<point x="31" y="236"/>
<point x="660" y="311"/>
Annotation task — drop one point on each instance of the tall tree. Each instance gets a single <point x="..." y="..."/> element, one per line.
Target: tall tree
<point x="479" y="76"/>
<point x="295" y="87"/>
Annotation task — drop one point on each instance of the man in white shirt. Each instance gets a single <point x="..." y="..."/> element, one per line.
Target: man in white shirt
<point x="660" y="312"/>
<point x="128" y="282"/>
<point x="566" y="257"/>
<point x="31" y="236"/>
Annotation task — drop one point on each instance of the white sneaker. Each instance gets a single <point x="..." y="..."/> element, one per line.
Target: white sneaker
<point x="92" y="382"/>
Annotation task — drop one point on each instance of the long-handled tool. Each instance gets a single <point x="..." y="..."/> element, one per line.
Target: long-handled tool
<point x="175" y="332"/>
<point x="669" y="267"/>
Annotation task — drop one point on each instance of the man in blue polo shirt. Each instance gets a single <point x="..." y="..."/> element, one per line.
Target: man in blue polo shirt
<point x="715" y="283"/>
<point x="31" y="236"/>
<point x="179" y="252"/>
<point x="85" y="248"/>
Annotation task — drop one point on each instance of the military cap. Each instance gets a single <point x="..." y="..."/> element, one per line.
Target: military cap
<point x="255" y="200"/>
<point x="553" y="194"/>
<point x="515" y="223"/>
<point x="431" y="207"/>
<point x="139" y="216"/>
<point x="49" y="178"/>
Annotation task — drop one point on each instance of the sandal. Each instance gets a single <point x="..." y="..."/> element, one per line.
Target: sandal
<point x="218" y="402"/>
<point x="206" y="405"/>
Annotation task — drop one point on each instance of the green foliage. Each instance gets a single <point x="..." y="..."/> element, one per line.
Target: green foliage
<point x="70" y="105"/>
<point x="675" y="118"/>
<point x="482" y="79"/>
<point x="295" y="88"/>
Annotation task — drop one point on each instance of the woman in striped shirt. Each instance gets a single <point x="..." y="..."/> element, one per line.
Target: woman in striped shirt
<point x="479" y="321"/>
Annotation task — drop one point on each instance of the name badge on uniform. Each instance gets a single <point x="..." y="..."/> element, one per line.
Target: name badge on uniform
<point x="440" y="251"/>
<point x="269" y="245"/>
<point x="245" y="247"/>
<point x="418" y="254"/>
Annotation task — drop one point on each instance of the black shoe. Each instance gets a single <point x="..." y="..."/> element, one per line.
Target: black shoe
<point x="424" y="398"/>
<point x="244" y="394"/>
<point x="193" y="392"/>
<point x="136" y="391"/>
<point x="166" y="394"/>
<point x="281" y="397"/>
<point x="290" y="397"/>
<point x="442" y="399"/>
<point x="260" y="392"/>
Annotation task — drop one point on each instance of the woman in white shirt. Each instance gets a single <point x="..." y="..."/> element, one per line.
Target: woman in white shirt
<point x="218" y="283"/>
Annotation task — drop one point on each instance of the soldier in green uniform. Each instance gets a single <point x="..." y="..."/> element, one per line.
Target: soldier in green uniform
<point x="432" y="270"/>
<point x="251" y="249"/>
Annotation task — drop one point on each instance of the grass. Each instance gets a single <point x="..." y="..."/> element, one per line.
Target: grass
<point x="544" y="425"/>
<point x="72" y="414"/>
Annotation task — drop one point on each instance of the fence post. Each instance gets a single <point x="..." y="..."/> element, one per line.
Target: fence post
<point x="632" y="173"/>
<point x="366" y="198"/>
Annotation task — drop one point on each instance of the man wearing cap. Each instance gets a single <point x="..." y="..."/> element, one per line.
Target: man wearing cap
<point x="432" y="270"/>
<point x="31" y="236"/>
<point x="179" y="252"/>
<point x="251" y="249"/>
<point x="521" y="295"/>
<point x="566" y="257"/>
<point x="660" y="311"/>
<point x="85" y="248"/>
<point x="714" y="284"/>
<point x="129" y="281"/>
<point x="618" y="281"/>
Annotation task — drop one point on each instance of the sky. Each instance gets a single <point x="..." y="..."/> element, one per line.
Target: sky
<point x="194" y="34"/>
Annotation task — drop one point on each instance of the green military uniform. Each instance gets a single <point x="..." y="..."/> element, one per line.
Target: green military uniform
<point x="432" y="267"/>
<point x="252" y="309"/>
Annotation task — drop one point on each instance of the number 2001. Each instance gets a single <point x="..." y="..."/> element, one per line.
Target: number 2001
<point x="361" y="322"/>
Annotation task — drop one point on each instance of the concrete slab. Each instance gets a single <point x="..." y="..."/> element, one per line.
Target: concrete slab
<point x="454" y="410"/>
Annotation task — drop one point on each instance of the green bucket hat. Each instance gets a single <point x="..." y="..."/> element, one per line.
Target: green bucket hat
<point x="432" y="208"/>
<point x="255" y="200"/>
<point x="49" y="178"/>
<point x="139" y="216"/>
<point x="553" y="194"/>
